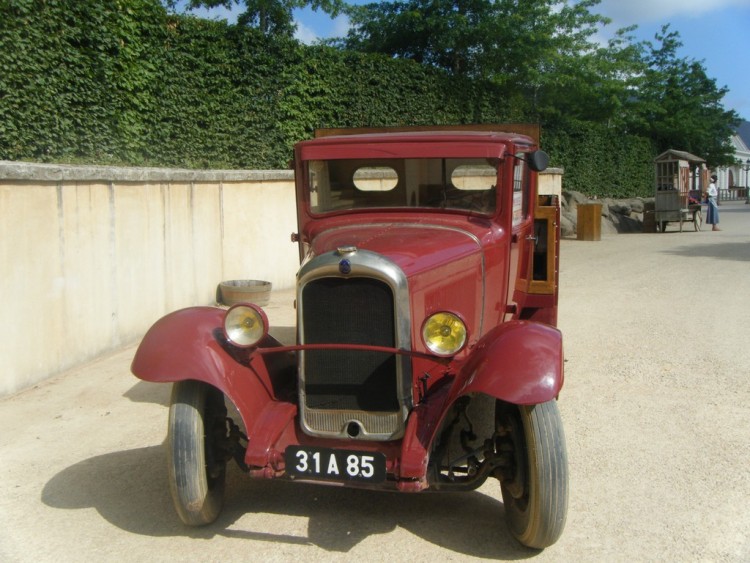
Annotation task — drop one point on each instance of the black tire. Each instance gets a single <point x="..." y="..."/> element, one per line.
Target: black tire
<point x="535" y="492"/>
<point x="197" y="470"/>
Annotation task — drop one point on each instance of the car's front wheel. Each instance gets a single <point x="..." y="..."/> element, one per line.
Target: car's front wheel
<point x="535" y="483"/>
<point x="197" y="467"/>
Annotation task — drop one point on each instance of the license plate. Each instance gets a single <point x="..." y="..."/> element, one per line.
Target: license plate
<point x="334" y="465"/>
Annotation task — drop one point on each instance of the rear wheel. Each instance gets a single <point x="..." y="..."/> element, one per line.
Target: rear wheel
<point x="197" y="466"/>
<point x="535" y="483"/>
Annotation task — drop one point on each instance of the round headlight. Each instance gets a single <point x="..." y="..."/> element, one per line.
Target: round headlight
<point x="245" y="325"/>
<point x="444" y="334"/>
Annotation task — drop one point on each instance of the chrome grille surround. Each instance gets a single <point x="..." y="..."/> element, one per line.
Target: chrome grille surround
<point x="369" y="268"/>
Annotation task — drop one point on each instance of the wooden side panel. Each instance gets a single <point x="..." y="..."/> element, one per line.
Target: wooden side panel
<point x="544" y="266"/>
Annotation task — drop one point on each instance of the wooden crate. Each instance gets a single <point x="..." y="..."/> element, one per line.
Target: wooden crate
<point x="589" y="221"/>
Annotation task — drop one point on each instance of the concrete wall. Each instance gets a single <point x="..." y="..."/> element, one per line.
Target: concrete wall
<point x="92" y="256"/>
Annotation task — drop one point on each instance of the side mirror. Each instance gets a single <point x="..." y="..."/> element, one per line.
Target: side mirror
<point x="538" y="161"/>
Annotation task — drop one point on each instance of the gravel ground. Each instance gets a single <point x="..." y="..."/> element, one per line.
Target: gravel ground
<point x="656" y="407"/>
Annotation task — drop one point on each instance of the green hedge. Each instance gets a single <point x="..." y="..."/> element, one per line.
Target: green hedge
<point x="123" y="82"/>
<point x="601" y="161"/>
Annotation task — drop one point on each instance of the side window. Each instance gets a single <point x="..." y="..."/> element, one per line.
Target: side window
<point x="318" y="182"/>
<point x="520" y="190"/>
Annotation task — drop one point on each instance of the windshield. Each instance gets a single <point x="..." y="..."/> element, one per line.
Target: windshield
<point x="442" y="183"/>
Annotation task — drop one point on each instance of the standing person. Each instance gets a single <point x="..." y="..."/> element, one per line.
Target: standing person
<point x="712" y="216"/>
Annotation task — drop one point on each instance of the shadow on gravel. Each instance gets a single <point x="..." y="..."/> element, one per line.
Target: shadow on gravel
<point x="148" y="392"/>
<point x="739" y="251"/>
<point x="129" y="489"/>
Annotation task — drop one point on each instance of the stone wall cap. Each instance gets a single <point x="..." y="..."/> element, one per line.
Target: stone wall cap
<point x="13" y="170"/>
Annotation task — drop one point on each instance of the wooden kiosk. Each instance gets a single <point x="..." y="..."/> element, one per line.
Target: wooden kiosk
<point x="680" y="180"/>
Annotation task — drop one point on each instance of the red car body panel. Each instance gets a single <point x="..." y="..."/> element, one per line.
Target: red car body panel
<point x="472" y="264"/>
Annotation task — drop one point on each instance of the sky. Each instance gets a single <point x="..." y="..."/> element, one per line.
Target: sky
<point x="714" y="32"/>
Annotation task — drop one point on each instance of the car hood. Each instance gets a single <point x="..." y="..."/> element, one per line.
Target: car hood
<point x="414" y="248"/>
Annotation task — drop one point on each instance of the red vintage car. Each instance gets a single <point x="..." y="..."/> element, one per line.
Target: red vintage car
<point x="427" y="357"/>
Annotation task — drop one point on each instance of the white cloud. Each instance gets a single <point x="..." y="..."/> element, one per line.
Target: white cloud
<point x="627" y="12"/>
<point x="338" y="27"/>
<point x="305" y="34"/>
<point x="341" y="26"/>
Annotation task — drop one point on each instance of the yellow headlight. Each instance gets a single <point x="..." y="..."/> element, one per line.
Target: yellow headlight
<point x="245" y="325"/>
<point x="444" y="334"/>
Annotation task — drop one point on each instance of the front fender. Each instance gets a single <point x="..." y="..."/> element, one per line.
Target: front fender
<point x="519" y="362"/>
<point x="188" y="344"/>
<point x="181" y="345"/>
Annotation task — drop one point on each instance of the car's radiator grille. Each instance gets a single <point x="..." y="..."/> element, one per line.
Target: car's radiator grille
<point x="348" y="311"/>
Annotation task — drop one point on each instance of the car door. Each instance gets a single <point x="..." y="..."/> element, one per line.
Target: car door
<point x="522" y="237"/>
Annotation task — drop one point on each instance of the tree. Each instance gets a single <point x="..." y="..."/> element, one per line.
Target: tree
<point x="679" y="106"/>
<point x="541" y="52"/>
<point x="544" y="57"/>
<point x="440" y="33"/>
<point x="272" y="17"/>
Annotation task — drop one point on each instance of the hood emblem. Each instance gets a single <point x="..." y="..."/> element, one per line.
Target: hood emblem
<point x="345" y="266"/>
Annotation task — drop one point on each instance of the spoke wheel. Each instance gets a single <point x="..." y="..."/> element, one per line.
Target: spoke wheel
<point x="197" y="466"/>
<point x="697" y="219"/>
<point x="535" y="485"/>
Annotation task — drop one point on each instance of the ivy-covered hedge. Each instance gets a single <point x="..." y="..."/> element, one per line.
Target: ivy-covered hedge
<point x="123" y="82"/>
<point x="601" y="161"/>
<point x="75" y="77"/>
